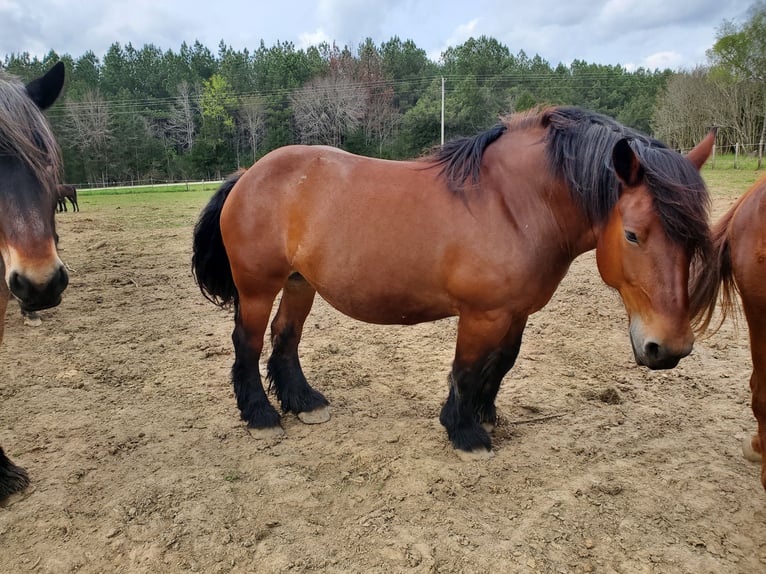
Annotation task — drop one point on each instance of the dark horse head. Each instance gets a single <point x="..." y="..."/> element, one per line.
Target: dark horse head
<point x="30" y="161"/>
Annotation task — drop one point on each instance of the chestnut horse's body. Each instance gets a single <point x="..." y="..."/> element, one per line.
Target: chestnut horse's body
<point x="739" y="240"/>
<point x="30" y="268"/>
<point x="484" y="229"/>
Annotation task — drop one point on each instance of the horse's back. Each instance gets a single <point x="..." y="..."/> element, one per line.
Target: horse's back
<point x="297" y="189"/>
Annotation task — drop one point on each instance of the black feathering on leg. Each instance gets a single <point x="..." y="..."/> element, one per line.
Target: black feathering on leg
<point x="459" y="418"/>
<point x="287" y="379"/>
<point x="13" y="478"/>
<point x="254" y="405"/>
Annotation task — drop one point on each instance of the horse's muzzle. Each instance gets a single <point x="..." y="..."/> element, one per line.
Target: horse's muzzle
<point x="658" y="357"/>
<point x="655" y="354"/>
<point x="34" y="296"/>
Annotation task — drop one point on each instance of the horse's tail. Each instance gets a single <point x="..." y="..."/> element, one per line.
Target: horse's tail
<point x="210" y="264"/>
<point x="713" y="281"/>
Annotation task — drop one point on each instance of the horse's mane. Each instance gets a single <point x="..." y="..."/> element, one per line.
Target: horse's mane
<point x="579" y="145"/>
<point x="26" y="134"/>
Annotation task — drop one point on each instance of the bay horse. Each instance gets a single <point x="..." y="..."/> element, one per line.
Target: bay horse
<point x="66" y="191"/>
<point x="739" y="268"/>
<point x="29" y="264"/>
<point x="483" y="228"/>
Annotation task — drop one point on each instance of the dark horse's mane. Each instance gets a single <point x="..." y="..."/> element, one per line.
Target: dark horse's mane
<point x="579" y="145"/>
<point x="25" y="133"/>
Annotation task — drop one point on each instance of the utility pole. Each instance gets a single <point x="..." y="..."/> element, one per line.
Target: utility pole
<point x="442" y="110"/>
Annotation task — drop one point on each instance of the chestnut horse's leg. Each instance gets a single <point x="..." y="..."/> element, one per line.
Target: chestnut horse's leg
<point x="250" y="319"/>
<point x="756" y="321"/>
<point x="284" y="368"/>
<point x="486" y="350"/>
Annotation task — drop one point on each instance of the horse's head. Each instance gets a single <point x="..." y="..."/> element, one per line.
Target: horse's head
<point x="29" y="164"/>
<point x="646" y="246"/>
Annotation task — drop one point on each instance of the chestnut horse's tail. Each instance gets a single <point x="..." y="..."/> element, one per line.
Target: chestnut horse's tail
<point x="713" y="280"/>
<point x="210" y="264"/>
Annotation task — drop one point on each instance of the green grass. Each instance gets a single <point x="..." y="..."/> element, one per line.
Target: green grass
<point x="176" y="206"/>
<point x="142" y="211"/>
<point x="158" y="188"/>
<point x="730" y="182"/>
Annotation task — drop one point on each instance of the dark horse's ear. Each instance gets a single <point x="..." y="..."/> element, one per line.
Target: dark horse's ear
<point x="698" y="156"/>
<point x="45" y="89"/>
<point x="626" y="164"/>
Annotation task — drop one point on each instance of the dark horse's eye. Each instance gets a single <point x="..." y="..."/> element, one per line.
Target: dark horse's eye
<point x="631" y="236"/>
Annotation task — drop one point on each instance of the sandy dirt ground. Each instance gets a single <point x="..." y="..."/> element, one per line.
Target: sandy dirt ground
<point x="120" y="407"/>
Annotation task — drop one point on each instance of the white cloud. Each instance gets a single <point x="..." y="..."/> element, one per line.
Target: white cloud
<point x="462" y="33"/>
<point x="307" y="39"/>
<point x="663" y="60"/>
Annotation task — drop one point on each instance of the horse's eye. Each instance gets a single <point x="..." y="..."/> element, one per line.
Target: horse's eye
<point x="631" y="236"/>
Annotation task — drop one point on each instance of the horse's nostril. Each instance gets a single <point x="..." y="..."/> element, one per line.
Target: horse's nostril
<point x="63" y="279"/>
<point x="652" y="350"/>
<point x="20" y="286"/>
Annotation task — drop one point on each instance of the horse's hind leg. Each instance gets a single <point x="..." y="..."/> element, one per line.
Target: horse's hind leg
<point x="284" y="367"/>
<point x="251" y="317"/>
<point x="12" y="478"/>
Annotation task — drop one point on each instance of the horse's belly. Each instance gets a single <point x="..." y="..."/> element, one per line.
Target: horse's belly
<point x="371" y="304"/>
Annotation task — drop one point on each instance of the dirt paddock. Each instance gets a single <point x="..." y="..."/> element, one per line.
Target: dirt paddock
<point x="120" y="407"/>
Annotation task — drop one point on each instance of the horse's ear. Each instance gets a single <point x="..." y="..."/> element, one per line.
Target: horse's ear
<point x="698" y="156"/>
<point x="626" y="164"/>
<point x="45" y="89"/>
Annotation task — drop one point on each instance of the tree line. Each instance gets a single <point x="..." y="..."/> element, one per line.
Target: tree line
<point x="150" y="115"/>
<point x="729" y="93"/>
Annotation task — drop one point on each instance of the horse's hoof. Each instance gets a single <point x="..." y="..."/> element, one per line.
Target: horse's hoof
<point x="475" y="454"/>
<point x="489" y="427"/>
<point x="749" y="452"/>
<point x="16" y="497"/>
<point x="266" y="432"/>
<point x="33" y="321"/>
<point x="315" y="417"/>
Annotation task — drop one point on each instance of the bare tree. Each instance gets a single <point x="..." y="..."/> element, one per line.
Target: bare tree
<point x="737" y="108"/>
<point x="328" y="108"/>
<point x="686" y="109"/>
<point x="252" y="122"/>
<point x="181" y="120"/>
<point x="87" y="126"/>
<point x="381" y="118"/>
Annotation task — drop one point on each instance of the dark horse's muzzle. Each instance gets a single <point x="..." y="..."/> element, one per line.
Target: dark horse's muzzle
<point x="34" y="296"/>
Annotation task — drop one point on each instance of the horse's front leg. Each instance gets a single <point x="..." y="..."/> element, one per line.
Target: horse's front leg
<point x="487" y="347"/>
<point x="495" y="368"/>
<point x="757" y="328"/>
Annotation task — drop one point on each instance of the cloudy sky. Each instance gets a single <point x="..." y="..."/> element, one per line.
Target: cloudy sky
<point x="648" y="33"/>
